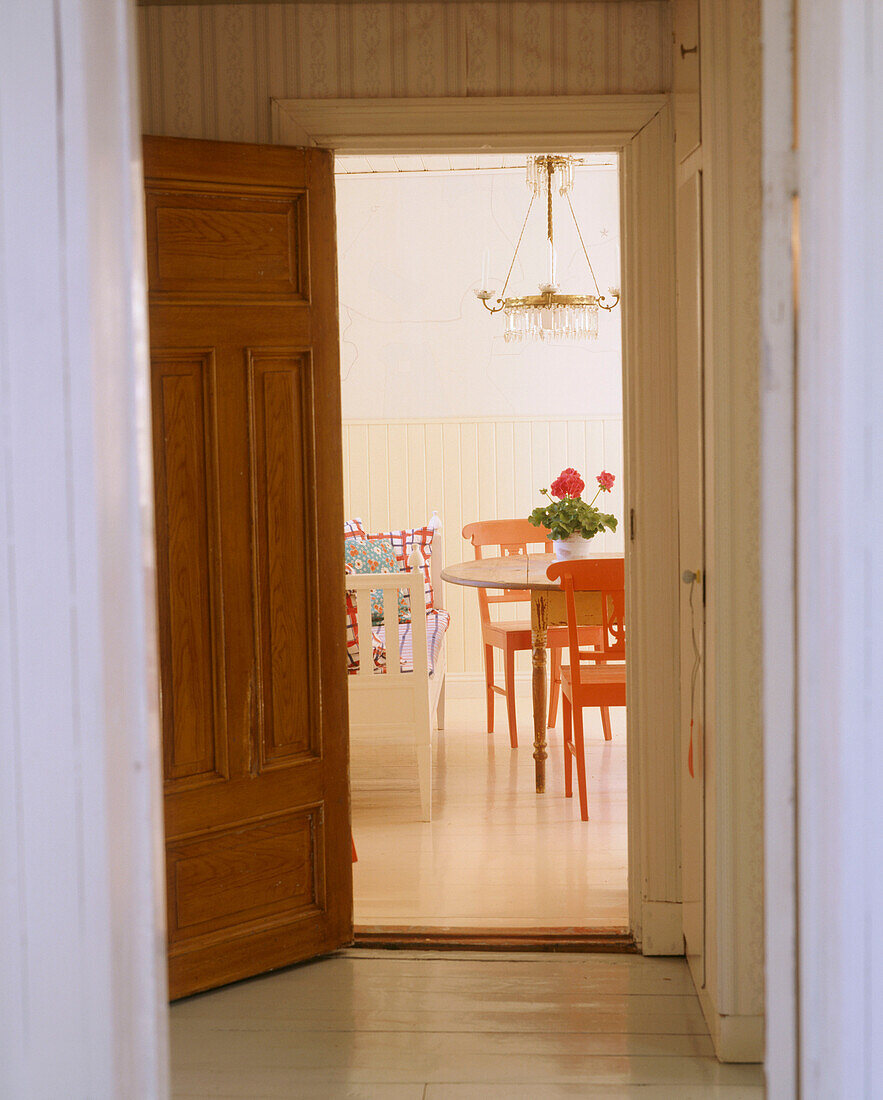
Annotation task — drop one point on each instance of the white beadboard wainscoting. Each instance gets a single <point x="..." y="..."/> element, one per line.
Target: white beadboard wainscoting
<point x="396" y="472"/>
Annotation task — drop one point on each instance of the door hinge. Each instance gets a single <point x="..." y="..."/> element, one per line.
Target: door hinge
<point x="631" y="524"/>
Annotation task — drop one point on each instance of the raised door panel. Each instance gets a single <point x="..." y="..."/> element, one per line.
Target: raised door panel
<point x="241" y="245"/>
<point x="248" y="878"/>
<point x="188" y="579"/>
<point x="285" y="554"/>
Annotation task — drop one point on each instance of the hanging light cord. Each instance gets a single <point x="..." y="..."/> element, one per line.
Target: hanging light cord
<point x="583" y="243"/>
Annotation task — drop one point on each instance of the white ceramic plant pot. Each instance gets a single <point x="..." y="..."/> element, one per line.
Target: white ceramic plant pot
<point x="574" y="546"/>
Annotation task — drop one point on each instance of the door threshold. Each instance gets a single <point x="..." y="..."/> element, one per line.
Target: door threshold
<point x="611" y="940"/>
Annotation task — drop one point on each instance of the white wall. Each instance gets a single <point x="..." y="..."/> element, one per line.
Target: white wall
<point x="415" y="341"/>
<point x="439" y="412"/>
<point x="210" y="70"/>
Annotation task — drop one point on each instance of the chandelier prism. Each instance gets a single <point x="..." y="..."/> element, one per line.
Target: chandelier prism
<point x="549" y="315"/>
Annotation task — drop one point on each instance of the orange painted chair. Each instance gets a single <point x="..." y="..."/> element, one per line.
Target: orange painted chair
<point x="514" y="536"/>
<point x="594" y="678"/>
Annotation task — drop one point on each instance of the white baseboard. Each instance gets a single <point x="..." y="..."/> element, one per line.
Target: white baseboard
<point x="662" y="928"/>
<point x="735" y="1038"/>
<point x="470" y="685"/>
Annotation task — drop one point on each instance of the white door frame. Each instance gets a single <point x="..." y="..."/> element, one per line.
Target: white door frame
<point x="822" y="465"/>
<point x="639" y="129"/>
<point x="82" y="956"/>
<point x="823" y="409"/>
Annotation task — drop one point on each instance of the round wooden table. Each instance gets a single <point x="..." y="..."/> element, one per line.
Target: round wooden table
<point x="527" y="572"/>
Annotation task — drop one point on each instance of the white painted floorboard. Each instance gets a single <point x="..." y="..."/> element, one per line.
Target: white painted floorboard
<point x="454" y="1026"/>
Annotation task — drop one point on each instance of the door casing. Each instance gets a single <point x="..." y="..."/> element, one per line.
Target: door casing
<point x="639" y="130"/>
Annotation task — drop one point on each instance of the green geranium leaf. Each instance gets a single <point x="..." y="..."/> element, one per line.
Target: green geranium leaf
<point x="571" y="516"/>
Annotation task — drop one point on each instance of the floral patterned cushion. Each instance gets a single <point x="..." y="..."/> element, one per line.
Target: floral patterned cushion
<point x="375" y="556"/>
<point x="405" y="542"/>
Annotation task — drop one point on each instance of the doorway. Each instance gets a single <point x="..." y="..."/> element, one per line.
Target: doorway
<point x="639" y="129"/>
<point x="648" y="429"/>
<point x="649" y="420"/>
<point x="442" y="415"/>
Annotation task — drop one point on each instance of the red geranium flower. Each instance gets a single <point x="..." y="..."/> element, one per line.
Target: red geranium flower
<point x="606" y="480"/>
<point x="567" y="484"/>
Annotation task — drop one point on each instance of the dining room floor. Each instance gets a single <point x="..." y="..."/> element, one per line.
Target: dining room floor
<point x="405" y="1025"/>
<point x="496" y="856"/>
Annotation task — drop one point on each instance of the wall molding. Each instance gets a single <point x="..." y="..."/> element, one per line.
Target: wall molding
<point x="378" y="420"/>
<point x="778" y="561"/>
<point x="649" y="387"/>
<point x="651" y="457"/>
<point x="663" y="928"/>
<point x="732" y="205"/>
<point x="464" y="124"/>
<point x="736" y="1038"/>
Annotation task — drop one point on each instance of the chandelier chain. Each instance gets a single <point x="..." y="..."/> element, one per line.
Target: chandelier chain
<point x="549" y="169"/>
<point x="583" y="243"/>
<point x="515" y="253"/>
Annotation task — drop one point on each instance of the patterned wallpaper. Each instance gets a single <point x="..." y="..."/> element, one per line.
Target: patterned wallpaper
<point x="211" y="71"/>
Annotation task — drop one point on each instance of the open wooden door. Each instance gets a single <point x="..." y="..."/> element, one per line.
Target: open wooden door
<point x="248" y="486"/>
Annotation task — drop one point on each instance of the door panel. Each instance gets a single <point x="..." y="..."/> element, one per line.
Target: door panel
<point x="185" y="482"/>
<point x="691" y="537"/>
<point x="246" y="426"/>
<point x="280" y="385"/>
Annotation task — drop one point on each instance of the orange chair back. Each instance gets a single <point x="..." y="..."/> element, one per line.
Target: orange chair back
<point x="604" y="575"/>
<point x="509" y="537"/>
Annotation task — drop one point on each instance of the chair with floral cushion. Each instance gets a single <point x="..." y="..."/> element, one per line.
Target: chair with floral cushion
<point x="392" y="583"/>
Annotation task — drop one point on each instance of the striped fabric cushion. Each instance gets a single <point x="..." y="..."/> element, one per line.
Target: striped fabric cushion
<point x="437" y="622"/>
<point x="352" y="640"/>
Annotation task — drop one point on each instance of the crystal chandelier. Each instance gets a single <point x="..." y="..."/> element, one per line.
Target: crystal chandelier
<point x="549" y="315"/>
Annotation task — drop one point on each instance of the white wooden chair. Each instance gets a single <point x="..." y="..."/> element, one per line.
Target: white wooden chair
<point x="393" y="699"/>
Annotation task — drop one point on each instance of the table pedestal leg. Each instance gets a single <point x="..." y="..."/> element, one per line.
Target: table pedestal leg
<point x="538" y="641"/>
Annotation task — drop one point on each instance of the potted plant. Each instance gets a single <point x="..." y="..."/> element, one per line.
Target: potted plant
<point x="570" y="521"/>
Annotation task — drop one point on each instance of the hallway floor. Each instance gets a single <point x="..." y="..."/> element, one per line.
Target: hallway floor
<point x="400" y="1025"/>
<point x="496" y="855"/>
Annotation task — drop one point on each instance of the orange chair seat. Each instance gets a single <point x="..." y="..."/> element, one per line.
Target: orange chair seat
<point x="517" y="632"/>
<point x="600" y="673"/>
<point x="605" y="681"/>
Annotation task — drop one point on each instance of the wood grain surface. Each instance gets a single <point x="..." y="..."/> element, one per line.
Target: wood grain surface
<point x="246" y="425"/>
<point x="522" y="571"/>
